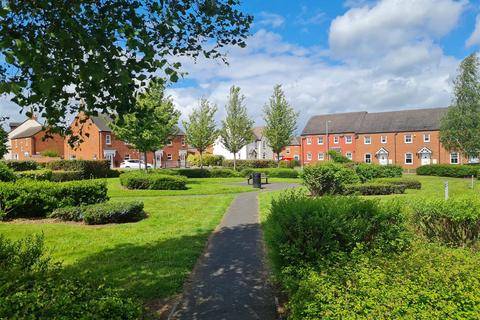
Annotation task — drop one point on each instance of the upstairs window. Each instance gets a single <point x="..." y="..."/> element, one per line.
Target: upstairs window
<point x="383" y="139"/>
<point x="336" y="139"/>
<point x="309" y="140"/>
<point x="408" y="138"/>
<point x="183" y="141"/>
<point x="287" y="151"/>
<point x="170" y="142"/>
<point x="320" y="140"/>
<point x="367" y="140"/>
<point x="108" y="139"/>
<point x="348" y="139"/>
<point x="426" y="137"/>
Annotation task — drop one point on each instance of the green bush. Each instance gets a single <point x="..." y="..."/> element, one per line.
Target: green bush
<point x="24" y="165"/>
<point x="290" y="164"/>
<point x="374" y="188"/>
<point x="337" y="157"/>
<point x="369" y="171"/>
<point x="50" y="153"/>
<point x="448" y="170"/>
<point x="455" y="221"/>
<point x="223" y="173"/>
<point x="304" y="229"/>
<point x="271" y="172"/>
<point x="243" y="164"/>
<point x="61" y="176"/>
<point x="41" y="174"/>
<point x="67" y="213"/>
<point x="409" y="183"/>
<point x="34" y="288"/>
<point x="208" y="160"/>
<point x="29" y="198"/>
<point x="6" y="173"/>
<point x="327" y="178"/>
<point x="89" y="168"/>
<point x="194" y="173"/>
<point x="152" y="180"/>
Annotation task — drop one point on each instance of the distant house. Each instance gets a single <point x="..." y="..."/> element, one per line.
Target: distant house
<point x="293" y="150"/>
<point x="98" y="142"/>
<point x="256" y="150"/>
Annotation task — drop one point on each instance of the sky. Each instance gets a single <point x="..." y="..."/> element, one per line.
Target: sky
<point x="337" y="56"/>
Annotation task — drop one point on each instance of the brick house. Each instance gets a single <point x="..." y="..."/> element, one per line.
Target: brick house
<point x="292" y="151"/>
<point x="408" y="138"/>
<point x="100" y="143"/>
<point x="29" y="140"/>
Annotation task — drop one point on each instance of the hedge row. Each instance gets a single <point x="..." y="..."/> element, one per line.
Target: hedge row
<point x="208" y="160"/>
<point x="409" y="183"/>
<point x="29" y="198"/>
<point x="22" y="165"/>
<point x="371" y="188"/>
<point x="152" y="180"/>
<point x="89" y="168"/>
<point x="369" y="171"/>
<point x="102" y="213"/>
<point x="243" y="164"/>
<point x="272" y="172"/>
<point x="449" y="170"/>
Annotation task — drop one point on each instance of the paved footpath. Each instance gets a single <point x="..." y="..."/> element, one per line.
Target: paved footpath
<point x="230" y="280"/>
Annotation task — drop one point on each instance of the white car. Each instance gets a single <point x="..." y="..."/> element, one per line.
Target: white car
<point x="134" y="164"/>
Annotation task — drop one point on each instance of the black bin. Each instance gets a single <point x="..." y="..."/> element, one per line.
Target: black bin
<point x="257" y="180"/>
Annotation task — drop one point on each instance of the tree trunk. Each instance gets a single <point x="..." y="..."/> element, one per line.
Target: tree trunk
<point x="234" y="161"/>
<point x="278" y="159"/>
<point x="201" y="159"/>
<point x="145" y="157"/>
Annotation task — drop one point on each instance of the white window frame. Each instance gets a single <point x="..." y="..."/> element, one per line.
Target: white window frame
<point x="320" y="140"/>
<point x="183" y="141"/>
<point x="365" y="157"/>
<point x="405" y="138"/>
<point x="309" y="140"/>
<point x="169" y="156"/>
<point x="411" y="157"/>
<point x="126" y="157"/>
<point x="170" y="142"/>
<point x="336" y="139"/>
<point x="321" y="156"/>
<point x="287" y="150"/>
<point x="108" y="139"/>
<point x="367" y="140"/>
<point x="349" y="155"/>
<point x="309" y="156"/>
<point x="296" y="157"/>
<point x="348" y="139"/>
<point x="383" y="139"/>
<point x="457" y="157"/>
<point x="427" y="136"/>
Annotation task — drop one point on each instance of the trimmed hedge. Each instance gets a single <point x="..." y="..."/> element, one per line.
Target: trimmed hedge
<point x="223" y="173"/>
<point x="194" y="173"/>
<point x="6" y="173"/>
<point x="327" y="178"/>
<point x="409" y="183"/>
<point x="29" y="198"/>
<point x="208" y="160"/>
<point x="102" y="213"/>
<point x="371" y="188"/>
<point x="243" y="164"/>
<point x="89" y="168"/>
<point x="42" y="174"/>
<point x="22" y="165"/>
<point x="271" y="172"/>
<point x="369" y="171"/>
<point x="152" y="180"/>
<point x="61" y="176"/>
<point x="453" y="222"/>
<point x="448" y="170"/>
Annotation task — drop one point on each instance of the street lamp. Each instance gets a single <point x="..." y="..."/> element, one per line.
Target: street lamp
<point x="326" y="133"/>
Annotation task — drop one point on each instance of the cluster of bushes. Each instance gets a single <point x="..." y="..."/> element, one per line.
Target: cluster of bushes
<point x="34" y="287"/>
<point x="369" y="171"/>
<point x="244" y="164"/>
<point x="6" y="173"/>
<point x="328" y="178"/>
<point x="374" y="189"/>
<point x="23" y="165"/>
<point x="271" y="172"/>
<point x="208" y="160"/>
<point x="29" y="198"/>
<point x="90" y="169"/>
<point x="448" y="170"/>
<point x="153" y="180"/>
<point x="102" y="213"/>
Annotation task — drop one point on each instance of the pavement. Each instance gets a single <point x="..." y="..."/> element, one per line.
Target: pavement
<point x="230" y="280"/>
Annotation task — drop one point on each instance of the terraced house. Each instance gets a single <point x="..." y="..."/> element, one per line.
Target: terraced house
<point x="408" y="138"/>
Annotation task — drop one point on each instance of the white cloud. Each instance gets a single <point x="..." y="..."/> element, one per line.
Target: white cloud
<point x="271" y="19"/>
<point x="474" y="38"/>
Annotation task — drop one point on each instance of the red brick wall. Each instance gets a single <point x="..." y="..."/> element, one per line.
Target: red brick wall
<point x="35" y="145"/>
<point x="293" y="151"/>
<point x="22" y="145"/>
<point x="314" y="148"/>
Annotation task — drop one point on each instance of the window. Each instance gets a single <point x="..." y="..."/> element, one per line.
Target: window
<point x="264" y="144"/>
<point x="367" y="140"/>
<point x="72" y="157"/>
<point x="126" y="157"/>
<point x="108" y="139"/>
<point x="264" y="156"/>
<point x="287" y="151"/>
<point x="383" y="139"/>
<point x="26" y="154"/>
<point x="170" y="142"/>
<point x="426" y="137"/>
<point x="309" y="156"/>
<point x="473" y="159"/>
<point x="407" y="138"/>
<point x="349" y="155"/>
<point x="309" y="140"/>
<point x="348" y="139"/>
<point x="321" y="156"/>
<point x="183" y="141"/>
<point x="169" y="156"/>
<point x="368" y="158"/>
<point x="454" y="158"/>
<point x="296" y="157"/>
<point x="94" y="156"/>
<point x="336" y="139"/>
<point x="408" y="158"/>
<point x="320" y="140"/>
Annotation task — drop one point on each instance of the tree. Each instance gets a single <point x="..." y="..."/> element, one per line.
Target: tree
<point x="200" y="129"/>
<point x="460" y="127"/>
<point x="151" y="125"/>
<point x="3" y="139"/>
<point x="56" y="53"/>
<point x="280" y="121"/>
<point x="237" y="127"/>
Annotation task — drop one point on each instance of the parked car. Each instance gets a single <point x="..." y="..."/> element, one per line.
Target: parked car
<point x="134" y="164"/>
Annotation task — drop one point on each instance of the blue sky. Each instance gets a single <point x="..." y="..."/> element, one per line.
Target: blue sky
<point x="338" y="56"/>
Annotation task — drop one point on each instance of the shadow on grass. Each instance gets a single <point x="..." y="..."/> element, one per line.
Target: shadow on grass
<point x="154" y="270"/>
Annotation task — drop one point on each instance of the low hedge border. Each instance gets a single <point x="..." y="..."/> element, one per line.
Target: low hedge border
<point x="42" y="174"/>
<point x="449" y="170"/>
<point x="89" y="168"/>
<point x="22" y="165"/>
<point x="272" y="172"/>
<point x="409" y="183"/>
<point x="372" y="188"/>
<point x="152" y="180"/>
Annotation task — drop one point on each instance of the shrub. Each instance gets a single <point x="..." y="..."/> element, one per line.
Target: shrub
<point x="448" y="170"/>
<point x="42" y="174"/>
<point x="116" y="212"/>
<point x="152" y="180"/>
<point x="223" y="173"/>
<point x="28" y="198"/>
<point x="272" y="172"/>
<point x="290" y="164"/>
<point x="369" y="171"/>
<point x="374" y="188"/>
<point x="453" y="222"/>
<point x="327" y="178"/>
<point x="338" y="157"/>
<point x="68" y="213"/>
<point x="6" y="173"/>
<point x="89" y="168"/>
<point x="33" y="287"/>
<point x="24" y="165"/>
<point x="61" y="176"/>
<point x="305" y="230"/>
<point x="408" y="182"/>
<point x="194" y="173"/>
<point x="242" y="164"/>
<point x="208" y="160"/>
<point x="50" y="153"/>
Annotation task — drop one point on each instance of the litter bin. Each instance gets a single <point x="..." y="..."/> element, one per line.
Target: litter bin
<point x="257" y="180"/>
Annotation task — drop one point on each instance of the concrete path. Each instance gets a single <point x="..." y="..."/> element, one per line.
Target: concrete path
<point x="231" y="281"/>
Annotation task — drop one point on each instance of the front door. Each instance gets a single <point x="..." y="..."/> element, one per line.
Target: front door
<point x="110" y="157"/>
<point x="383" y="159"/>
<point x="183" y="159"/>
<point x="425" y="158"/>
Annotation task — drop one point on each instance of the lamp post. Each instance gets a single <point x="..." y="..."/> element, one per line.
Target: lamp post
<point x="326" y="133"/>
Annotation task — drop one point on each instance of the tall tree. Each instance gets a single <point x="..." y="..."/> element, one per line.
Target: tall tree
<point x="55" y="53"/>
<point x="280" y="121"/>
<point x="200" y="129"/>
<point x="3" y="139"/>
<point x="151" y="125"/>
<point x="236" y="131"/>
<point x="460" y="128"/>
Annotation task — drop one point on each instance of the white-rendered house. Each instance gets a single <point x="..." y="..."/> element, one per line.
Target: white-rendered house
<point x="257" y="150"/>
<point x="16" y="128"/>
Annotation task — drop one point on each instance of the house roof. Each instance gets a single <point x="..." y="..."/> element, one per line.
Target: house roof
<point x="339" y="123"/>
<point x="258" y="132"/>
<point x="29" y="132"/>
<point x="14" y="125"/>
<point x="295" y="141"/>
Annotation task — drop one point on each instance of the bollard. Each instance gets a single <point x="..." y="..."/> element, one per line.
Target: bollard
<point x="257" y="180"/>
<point x="446" y="190"/>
